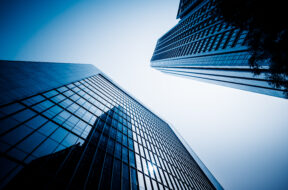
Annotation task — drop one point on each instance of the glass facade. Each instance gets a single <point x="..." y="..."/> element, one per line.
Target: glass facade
<point x="184" y="7"/>
<point x="199" y="33"/>
<point x="90" y="134"/>
<point x="202" y="40"/>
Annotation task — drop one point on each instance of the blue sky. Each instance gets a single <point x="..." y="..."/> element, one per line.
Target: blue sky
<point x="241" y="136"/>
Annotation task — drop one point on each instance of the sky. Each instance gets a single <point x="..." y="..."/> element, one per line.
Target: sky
<point x="240" y="136"/>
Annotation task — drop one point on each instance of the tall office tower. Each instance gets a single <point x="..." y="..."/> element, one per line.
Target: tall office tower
<point x="203" y="47"/>
<point x="68" y="126"/>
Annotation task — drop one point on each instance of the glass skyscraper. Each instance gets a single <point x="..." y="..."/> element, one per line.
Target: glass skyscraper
<point x="68" y="126"/>
<point x="203" y="47"/>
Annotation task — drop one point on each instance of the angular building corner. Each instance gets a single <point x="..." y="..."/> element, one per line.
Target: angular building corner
<point x="68" y="126"/>
<point x="205" y="48"/>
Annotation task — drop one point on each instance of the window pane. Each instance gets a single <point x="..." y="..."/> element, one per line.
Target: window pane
<point x="46" y="148"/>
<point x="125" y="154"/>
<point x="16" y="135"/>
<point x="36" y="122"/>
<point x="7" y="124"/>
<point x="131" y="147"/>
<point x="59" y="134"/>
<point x="11" y="108"/>
<point x="52" y="111"/>
<point x="69" y="140"/>
<point x="48" y="128"/>
<point x="118" y="151"/>
<point x="24" y="115"/>
<point x="133" y="179"/>
<point x="110" y="146"/>
<point x="144" y="166"/>
<point x="107" y="173"/>
<point x="132" y="158"/>
<point x="116" y="180"/>
<point x="154" y="185"/>
<point x="125" y="177"/>
<point x="31" y="142"/>
<point x="43" y="105"/>
<point x="33" y="100"/>
<point x="141" y="181"/>
<point x="148" y="184"/>
<point x="138" y="162"/>
<point x="125" y="142"/>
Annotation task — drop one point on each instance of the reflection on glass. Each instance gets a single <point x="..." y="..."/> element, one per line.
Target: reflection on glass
<point x="89" y="134"/>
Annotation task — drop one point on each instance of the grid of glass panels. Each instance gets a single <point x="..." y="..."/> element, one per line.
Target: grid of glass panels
<point x="120" y="143"/>
<point x="229" y="60"/>
<point x="184" y="4"/>
<point x="198" y="33"/>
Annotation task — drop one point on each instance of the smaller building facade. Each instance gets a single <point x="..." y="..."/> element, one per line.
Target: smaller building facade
<point x="203" y="47"/>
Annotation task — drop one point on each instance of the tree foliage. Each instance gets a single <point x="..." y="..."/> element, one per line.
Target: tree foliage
<point x="267" y="38"/>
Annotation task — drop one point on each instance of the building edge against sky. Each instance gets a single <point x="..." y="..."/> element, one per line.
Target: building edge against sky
<point x="207" y="172"/>
<point x="205" y="48"/>
<point x="37" y="97"/>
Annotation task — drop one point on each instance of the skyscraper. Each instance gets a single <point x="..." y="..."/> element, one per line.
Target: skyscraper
<point x="203" y="47"/>
<point x="68" y="126"/>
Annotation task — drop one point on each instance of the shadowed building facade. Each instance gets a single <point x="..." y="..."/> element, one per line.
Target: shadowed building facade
<point x="68" y="126"/>
<point x="203" y="47"/>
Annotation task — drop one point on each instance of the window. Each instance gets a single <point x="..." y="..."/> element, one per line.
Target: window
<point x="47" y="147"/>
<point x="24" y="115"/>
<point x="43" y="106"/>
<point x="16" y="135"/>
<point x="52" y="111"/>
<point x="118" y="151"/>
<point x="116" y="180"/>
<point x="31" y="142"/>
<point x="107" y="173"/>
<point x="11" y="108"/>
<point x="133" y="179"/>
<point x="59" y="134"/>
<point x="125" y="154"/>
<point x="69" y="140"/>
<point x="125" y="177"/>
<point x="141" y="181"/>
<point x="148" y="184"/>
<point x="48" y="128"/>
